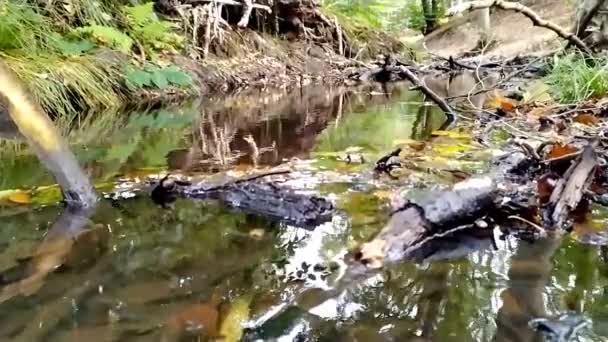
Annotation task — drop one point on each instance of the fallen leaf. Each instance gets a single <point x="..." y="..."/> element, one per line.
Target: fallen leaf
<point x="231" y="329"/>
<point x="545" y="185"/>
<point x="538" y="91"/>
<point x="587" y="119"/>
<point x="537" y="112"/>
<point x="21" y="197"/>
<point x="257" y="233"/>
<point x="559" y="150"/>
<point x="383" y="194"/>
<point x="451" y="134"/>
<point x="497" y="101"/>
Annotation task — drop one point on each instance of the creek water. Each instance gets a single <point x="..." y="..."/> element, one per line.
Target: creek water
<point x="134" y="272"/>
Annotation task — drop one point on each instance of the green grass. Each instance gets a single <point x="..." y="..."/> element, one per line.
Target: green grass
<point x="56" y="52"/>
<point x="67" y="87"/>
<point x="576" y="77"/>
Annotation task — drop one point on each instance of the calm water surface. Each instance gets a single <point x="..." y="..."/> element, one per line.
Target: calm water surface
<point x="134" y="272"/>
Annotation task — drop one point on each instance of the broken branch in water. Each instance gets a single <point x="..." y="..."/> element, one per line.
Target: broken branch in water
<point x="428" y="92"/>
<point x="528" y="12"/>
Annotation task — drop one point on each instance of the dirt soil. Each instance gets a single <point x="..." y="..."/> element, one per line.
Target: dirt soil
<point x="513" y="32"/>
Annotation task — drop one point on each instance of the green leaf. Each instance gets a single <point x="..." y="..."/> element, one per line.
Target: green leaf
<point x="139" y="78"/>
<point x="177" y="77"/>
<point x="159" y="80"/>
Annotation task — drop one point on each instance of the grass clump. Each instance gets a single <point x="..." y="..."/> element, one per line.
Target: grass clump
<point x="576" y="77"/>
<point x="76" y="59"/>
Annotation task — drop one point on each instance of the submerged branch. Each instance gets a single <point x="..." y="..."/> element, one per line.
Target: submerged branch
<point x="428" y="92"/>
<point x="528" y="12"/>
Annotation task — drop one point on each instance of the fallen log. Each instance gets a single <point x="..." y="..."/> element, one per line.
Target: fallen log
<point x="251" y="195"/>
<point x="414" y="225"/>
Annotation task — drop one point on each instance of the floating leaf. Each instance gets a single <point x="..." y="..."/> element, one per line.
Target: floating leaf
<point x="21" y="197"/>
<point x="587" y="119"/>
<point x="451" y="134"/>
<point x="559" y="150"/>
<point x="232" y="325"/>
<point x="257" y="233"/>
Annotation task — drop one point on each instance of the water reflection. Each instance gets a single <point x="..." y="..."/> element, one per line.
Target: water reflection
<point x="145" y="270"/>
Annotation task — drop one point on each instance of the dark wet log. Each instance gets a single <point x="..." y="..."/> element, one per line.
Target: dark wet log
<point x="414" y="225"/>
<point x="272" y="201"/>
<point x="253" y="196"/>
<point x="569" y="190"/>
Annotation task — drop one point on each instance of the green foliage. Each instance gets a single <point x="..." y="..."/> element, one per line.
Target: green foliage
<point x="391" y="15"/>
<point x="107" y="35"/>
<point x="68" y="47"/>
<point x="576" y="77"/>
<point x="154" y="77"/>
<point x="22" y="28"/>
<point x="154" y="34"/>
<point x="64" y="86"/>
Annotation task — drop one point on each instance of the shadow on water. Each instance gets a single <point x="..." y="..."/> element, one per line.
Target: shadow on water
<point x="133" y="272"/>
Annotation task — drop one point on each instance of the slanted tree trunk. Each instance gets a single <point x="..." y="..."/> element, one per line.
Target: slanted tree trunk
<point x="483" y="24"/>
<point x="45" y="140"/>
<point x="426" y="10"/>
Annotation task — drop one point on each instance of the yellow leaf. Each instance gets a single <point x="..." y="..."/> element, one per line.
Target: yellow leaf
<point x="451" y="134"/>
<point x="232" y="325"/>
<point x="384" y="194"/>
<point x="21" y="197"/>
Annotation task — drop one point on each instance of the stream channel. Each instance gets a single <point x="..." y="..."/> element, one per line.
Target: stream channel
<point x="142" y="273"/>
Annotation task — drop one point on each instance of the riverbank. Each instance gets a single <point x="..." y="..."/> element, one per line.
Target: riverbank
<point x="96" y="57"/>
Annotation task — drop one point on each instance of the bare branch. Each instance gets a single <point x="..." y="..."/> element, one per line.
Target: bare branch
<point x="533" y="16"/>
<point x="428" y="92"/>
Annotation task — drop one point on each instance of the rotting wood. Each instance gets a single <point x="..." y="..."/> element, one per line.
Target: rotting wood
<point x="412" y="226"/>
<point x="528" y="12"/>
<point x="569" y="190"/>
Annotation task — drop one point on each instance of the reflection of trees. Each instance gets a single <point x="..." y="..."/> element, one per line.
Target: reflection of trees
<point x="523" y="300"/>
<point x="68" y="243"/>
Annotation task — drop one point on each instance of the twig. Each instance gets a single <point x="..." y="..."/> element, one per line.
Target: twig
<point x="501" y="82"/>
<point x="530" y="223"/>
<point x="339" y="33"/>
<point x="528" y="12"/>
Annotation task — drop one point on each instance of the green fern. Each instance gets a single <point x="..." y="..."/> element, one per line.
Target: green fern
<point x="107" y="35"/>
<point x="153" y="33"/>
